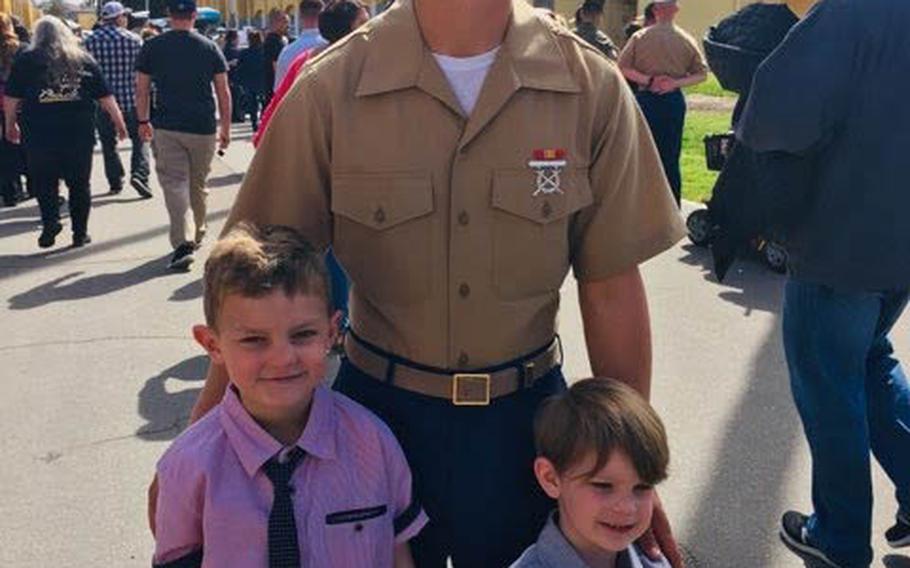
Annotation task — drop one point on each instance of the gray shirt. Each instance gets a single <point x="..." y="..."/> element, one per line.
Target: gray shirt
<point x="835" y="92"/>
<point x="552" y="550"/>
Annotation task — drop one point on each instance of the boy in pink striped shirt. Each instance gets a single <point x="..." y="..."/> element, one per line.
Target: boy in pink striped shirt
<point x="284" y="472"/>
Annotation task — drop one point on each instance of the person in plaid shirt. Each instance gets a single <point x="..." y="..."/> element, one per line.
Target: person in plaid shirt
<point x="116" y="49"/>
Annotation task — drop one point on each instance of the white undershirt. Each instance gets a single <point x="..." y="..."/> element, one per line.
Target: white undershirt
<point x="466" y="75"/>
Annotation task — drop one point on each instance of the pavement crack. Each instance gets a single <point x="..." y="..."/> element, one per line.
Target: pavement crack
<point x="52" y="456"/>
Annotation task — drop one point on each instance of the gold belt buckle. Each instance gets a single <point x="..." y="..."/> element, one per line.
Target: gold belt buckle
<point x="471" y="390"/>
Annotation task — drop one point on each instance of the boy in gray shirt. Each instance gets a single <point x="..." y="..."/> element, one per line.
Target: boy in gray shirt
<point x="601" y="450"/>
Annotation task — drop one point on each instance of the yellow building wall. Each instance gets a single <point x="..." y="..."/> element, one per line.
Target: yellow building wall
<point x="21" y="8"/>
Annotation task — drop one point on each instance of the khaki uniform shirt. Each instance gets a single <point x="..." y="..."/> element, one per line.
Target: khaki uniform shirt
<point x="663" y="49"/>
<point x="455" y="259"/>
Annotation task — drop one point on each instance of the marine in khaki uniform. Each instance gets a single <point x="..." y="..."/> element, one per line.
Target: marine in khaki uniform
<point x="457" y="229"/>
<point x="662" y="59"/>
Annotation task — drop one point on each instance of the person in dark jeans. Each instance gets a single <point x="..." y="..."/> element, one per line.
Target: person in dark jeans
<point x="57" y="83"/>
<point x="251" y="77"/>
<point x="115" y="49"/>
<point x="274" y="42"/>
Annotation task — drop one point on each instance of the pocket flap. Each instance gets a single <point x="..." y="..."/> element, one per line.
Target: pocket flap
<point x="382" y="200"/>
<point x="513" y="192"/>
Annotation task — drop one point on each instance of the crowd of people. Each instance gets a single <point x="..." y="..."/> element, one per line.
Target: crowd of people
<point x="458" y="159"/>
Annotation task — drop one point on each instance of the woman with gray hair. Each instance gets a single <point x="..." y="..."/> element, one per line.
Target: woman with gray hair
<point x="56" y="83"/>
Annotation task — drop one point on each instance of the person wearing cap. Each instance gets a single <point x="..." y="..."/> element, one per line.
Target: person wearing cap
<point x="460" y="156"/>
<point x="662" y="59"/>
<point x="184" y="65"/>
<point x="587" y="18"/>
<point x="836" y="142"/>
<point x="115" y="49"/>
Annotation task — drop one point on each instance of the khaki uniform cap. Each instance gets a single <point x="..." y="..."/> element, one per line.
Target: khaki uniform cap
<point x="455" y="258"/>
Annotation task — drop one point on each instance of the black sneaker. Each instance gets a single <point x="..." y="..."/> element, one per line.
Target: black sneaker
<point x="49" y="235"/>
<point x="141" y="187"/>
<point x="115" y="189"/>
<point x="794" y="535"/>
<point x="898" y="536"/>
<point x="183" y="257"/>
<point x="81" y="240"/>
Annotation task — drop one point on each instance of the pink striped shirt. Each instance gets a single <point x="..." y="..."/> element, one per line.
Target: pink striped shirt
<point x="352" y="492"/>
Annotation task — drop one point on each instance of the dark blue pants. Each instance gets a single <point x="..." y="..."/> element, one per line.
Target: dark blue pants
<point x="339" y="282"/>
<point x="853" y="398"/>
<point x="139" y="155"/>
<point x="472" y="468"/>
<point x="666" y="116"/>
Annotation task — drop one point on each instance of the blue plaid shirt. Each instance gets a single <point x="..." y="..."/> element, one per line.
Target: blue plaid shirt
<point x="115" y="49"/>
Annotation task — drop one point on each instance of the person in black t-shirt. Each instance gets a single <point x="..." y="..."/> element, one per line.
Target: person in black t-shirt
<point x="275" y="41"/>
<point x="184" y="65"/>
<point x="57" y="83"/>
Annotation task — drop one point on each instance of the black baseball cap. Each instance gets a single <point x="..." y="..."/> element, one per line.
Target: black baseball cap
<point x="182" y="6"/>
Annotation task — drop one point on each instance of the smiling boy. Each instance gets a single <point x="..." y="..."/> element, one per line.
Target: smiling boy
<point x="601" y="450"/>
<point x="284" y="472"/>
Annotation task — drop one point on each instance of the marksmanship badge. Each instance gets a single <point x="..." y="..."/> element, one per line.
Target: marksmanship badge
<point x="548" y="163"/>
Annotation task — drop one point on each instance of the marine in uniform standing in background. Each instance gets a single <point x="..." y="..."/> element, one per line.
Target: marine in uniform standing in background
<point x="661" y="60"/>
<point x="587" y="18"/>
<point x="458" y="181"/>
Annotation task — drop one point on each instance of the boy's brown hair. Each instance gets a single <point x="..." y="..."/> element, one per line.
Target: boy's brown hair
<point x="254" y="261"/>
<point x="602" y="415"/>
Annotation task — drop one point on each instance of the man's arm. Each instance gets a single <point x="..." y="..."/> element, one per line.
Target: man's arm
<point x="11" y="112"/>
<point x="110" y="106"/>
<point x="617" y="326"/>
<point x="617" y="329"/>
<point x="143" y="90"/>
<point x="403" y="558"/>
<point x="223" y="93"/>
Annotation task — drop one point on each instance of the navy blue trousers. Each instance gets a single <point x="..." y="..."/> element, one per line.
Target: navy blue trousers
<point x="472" y="468"/>
<point x="666" y="116"/>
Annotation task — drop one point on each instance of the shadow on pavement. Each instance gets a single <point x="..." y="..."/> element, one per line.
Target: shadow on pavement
<point x="749" y="283"/>
<point x="225" y="180"/>
<point x="17" y="264"/>
<point x="896" y="561"/>
<point x="744" y="494"/>
<point x="191" y="291"/>
<point x="68" y="287"/>
<point x="167" y="410"/>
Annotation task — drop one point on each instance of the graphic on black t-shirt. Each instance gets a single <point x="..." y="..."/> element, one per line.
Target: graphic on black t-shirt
<point x="64" y="90"/>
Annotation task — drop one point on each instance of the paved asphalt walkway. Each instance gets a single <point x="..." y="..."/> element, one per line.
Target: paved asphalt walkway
<point x="98" y="373"/>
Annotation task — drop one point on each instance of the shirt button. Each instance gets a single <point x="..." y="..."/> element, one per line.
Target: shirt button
<point x="463" y="359"/>
<point x="464" y="218"/>
<point x="379" y="215"/>
<point x="546" y="210"/>
<point x="358" y="527"/>
<point x="464" y="290"/>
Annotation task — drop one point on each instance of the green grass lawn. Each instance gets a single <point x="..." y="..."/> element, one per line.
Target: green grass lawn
<point x="697" y="180"/>
<point x="710" y="87"/>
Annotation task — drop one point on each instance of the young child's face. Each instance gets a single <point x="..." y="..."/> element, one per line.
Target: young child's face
<point x="274" y="348"/>
<point x="602" y="513"/>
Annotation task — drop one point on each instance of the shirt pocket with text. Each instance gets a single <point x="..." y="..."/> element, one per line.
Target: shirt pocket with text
<point x="531" y="246"/>
<point x="383" y="233"/>
<point x="361" y="537"/>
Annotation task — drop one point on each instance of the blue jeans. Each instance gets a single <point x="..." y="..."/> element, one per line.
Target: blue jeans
<point x="852" y="397"/>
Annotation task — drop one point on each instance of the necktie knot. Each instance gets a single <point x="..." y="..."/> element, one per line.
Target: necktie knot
<point x="280" y="472"/>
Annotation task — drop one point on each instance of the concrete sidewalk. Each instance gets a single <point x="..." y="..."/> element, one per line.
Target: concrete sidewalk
<point x="99" y="372"/>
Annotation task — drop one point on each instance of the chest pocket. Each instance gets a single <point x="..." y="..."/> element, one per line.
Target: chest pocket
<point x="531" y="249"/>
<point x="383" y="233"/>
<point x="360" y="537"/>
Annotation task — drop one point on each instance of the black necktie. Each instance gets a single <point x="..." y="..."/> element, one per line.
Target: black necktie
<point x="283" y="550"/>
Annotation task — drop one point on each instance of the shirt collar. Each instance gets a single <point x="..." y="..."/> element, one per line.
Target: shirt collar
<point x="555" y="550"/>
<point x="254" y="446"/>
<point x="529" y="51"/>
